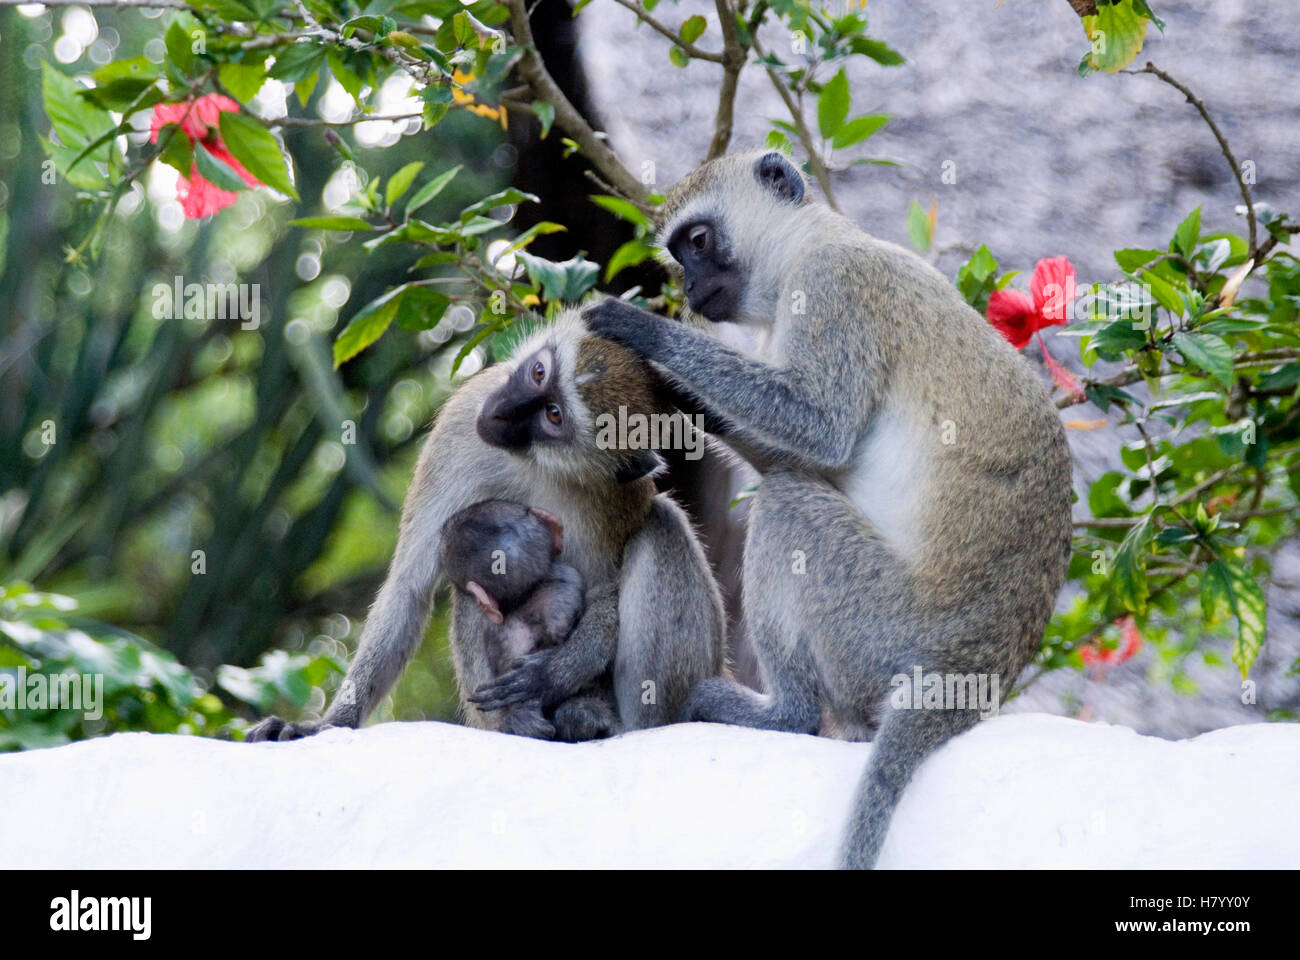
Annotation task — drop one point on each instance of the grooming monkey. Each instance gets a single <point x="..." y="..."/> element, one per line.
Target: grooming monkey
<point x="914" y="508"/>
<point x="524" y="430"/>
<point x="501" y="555"/>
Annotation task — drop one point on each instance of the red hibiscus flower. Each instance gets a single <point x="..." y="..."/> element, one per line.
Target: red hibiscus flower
<point x="199" y="121"/>
<point x="1130" y="642"/>
<point x="1020" y="317"/>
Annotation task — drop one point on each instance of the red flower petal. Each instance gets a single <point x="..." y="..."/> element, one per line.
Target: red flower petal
<point x="200" y="197"/>
<point x="1052" y="287"/>
<point x="1012" y="315"/>
<point x="1064" y="378"/>
<point x="1130" y="640"/>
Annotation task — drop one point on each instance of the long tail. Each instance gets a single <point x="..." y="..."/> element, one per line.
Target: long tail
<point x="905" y="739"/>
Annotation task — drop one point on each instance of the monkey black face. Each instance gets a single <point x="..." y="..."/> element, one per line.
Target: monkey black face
<point x="711" y="279"/>
<point x="528" y="408"/>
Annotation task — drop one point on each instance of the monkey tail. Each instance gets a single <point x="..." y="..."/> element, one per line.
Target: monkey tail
<point x="905" y="739"/>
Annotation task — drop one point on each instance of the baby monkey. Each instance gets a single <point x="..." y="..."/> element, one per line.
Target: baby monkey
<point x="504" y="556"/>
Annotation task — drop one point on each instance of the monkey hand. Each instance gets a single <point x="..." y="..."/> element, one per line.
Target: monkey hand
<point x="273" y="728"/>
<point x="527" y="679"/>
<point x="639" y="330"/>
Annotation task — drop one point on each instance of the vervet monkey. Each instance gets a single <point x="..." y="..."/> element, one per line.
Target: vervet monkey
<point x="501" y="555"/>
<point x="525" y="430"/>
<point x="914" y="509"/>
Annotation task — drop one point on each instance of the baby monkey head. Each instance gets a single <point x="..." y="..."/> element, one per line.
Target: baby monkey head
<point x="498" y="551"/>
<point x="722" y="224"/>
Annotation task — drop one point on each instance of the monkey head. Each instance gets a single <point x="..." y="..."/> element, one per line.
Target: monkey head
<point x="498" y="551"/>
<point x="727" y="226"/>
<point x="564" y="388"/>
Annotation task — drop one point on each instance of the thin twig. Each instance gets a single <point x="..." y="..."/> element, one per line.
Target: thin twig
<point x="691" y="49"/>
<point x="1218" y="135"/>
<point x="805" y="136"/>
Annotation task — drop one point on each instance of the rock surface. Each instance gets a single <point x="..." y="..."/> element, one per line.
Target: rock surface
<point x="1017" y="791"/>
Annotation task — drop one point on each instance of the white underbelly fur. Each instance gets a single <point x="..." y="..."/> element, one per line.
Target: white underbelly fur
<point x="887" y="479"/>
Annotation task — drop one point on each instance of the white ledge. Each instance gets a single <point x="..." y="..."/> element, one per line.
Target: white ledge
<point x="1026" y="790"/>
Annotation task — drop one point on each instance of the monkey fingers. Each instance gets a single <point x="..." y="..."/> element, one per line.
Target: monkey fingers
<point x="273" y="728"/>
<point x="638" y="330"/>
<point x="527" y="679"/>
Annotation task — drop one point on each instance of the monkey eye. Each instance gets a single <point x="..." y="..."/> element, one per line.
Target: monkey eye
<point x="539" y="371"/>
<point x="700" y="236"/>
<point x="553" y="414"/>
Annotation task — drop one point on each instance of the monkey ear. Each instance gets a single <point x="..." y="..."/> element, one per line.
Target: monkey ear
<point x="777" y="174"/>
<point x="643" y="463"/>
<point x="486" y="603"/>
<point x="554" y="525"/>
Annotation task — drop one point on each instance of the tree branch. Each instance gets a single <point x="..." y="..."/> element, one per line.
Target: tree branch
<point x="1223" y="144"/>
<point x="533" y="72"/>
<point x="805" y="136"/>
<point x="691" y="49"/>
<point x="734" y="56"/>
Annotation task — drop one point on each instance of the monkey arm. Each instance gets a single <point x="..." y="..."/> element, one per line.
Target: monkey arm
<point x="560" y="672"/>
<point x="809" y="417"/>
<point x="451" y="475"/>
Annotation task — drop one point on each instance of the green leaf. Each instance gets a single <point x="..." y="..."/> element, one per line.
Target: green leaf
<point x="216" y="170"/>
<point x="401" y="181"/>
<point x="833" y="105"/>
<point x="919" y="229"/>
<point x="858" y="129"/>
<point x="332" y="223"/>
<point x="1287" y="376"/>
<point x="677" y="57"/>
<point x="1130" y="260"/>
<point x="622" y="209"/>
<point x="180" y="50"/>
<point x="882" y="53"/>
<point x="1188" y="234"/>
<point x="1212" y="354"/>
<point x="1165" y="294"/>
<point x="130" y="67"/>
<point x="1128" y="573"/>
<point x="499" y="199"/>
<point x="1227" y="583"/>
<point x="349" y="79"/>
<point x="297" y="61"/>
<point x="366" y="327"/>
<point x="628" y="255"/>
<point x="545" y="114"/>
<point x="243" y="80"/>
<point x="1113" y="340"/>
<point x="259" y="152"/>
<point x="431" y="189"/>
<point x="525" y="238"/>
<point x="421" y="308"/>
<point x="177" y="153"/>
<point x="1121" y="30"/>
<point x="230" y="10"/>
<point x="561" y="282"/>
<point x="692" y="28"/>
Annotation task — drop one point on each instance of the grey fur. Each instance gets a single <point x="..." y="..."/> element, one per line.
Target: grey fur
<point x="916" y="551"/>
<point x="660" y="611"/>
<point x="506" y="551"/>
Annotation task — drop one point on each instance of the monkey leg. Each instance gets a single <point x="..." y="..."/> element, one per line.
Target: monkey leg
<point x="585" y="717"/>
